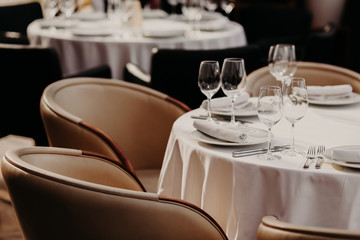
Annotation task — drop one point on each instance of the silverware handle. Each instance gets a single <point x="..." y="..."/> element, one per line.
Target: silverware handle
<point x="318" y="162"/>
<point x="307" y="163"/>
<point x="244" y="154"/>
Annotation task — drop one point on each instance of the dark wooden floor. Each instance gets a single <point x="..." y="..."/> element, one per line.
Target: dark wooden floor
<point x="9" y="227"/>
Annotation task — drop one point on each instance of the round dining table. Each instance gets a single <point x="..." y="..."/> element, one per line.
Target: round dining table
<point x="88" y="42"/>
<point x="239" y="191"/>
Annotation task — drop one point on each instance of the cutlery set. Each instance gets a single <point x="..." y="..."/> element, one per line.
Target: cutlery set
<point x="256" y="151"/>
<point x="314" y="153"/>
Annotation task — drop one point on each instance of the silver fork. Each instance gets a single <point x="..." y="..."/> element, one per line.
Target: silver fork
<point x="319" y="157"/>
<point x="310" y="155"/>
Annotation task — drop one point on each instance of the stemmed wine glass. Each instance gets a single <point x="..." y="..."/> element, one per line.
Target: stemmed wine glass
<point x="295" y="100"/>
<point x="209" y="81"/>
<point x="269" y="108"/>
<point x="192" y="10"/>
<point x="51" y="8"/>
<point x="282" y="61"/>
<point x="67" y="7"/>
<point x="233" y="77"/>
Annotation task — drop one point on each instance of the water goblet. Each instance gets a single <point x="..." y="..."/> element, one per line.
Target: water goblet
<point x="295" y="100"/>
<point x="233" y="77"/>
<point x="67" y="7"/>
<point x="209" y="81"/>
<point x="192" y="10"/>
<point x="269" y="108"/>
<point x="51" y="8"/>
<point x="282" y="61"/>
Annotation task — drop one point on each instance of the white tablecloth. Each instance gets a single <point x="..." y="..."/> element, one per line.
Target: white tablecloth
<point x="82" y="52"/>
<point x="238" y="192"/>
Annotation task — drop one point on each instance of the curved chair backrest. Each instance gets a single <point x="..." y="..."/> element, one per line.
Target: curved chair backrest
<point x="271" y="228"/>
<point x="175" y="72"/>
<point x="68" y="194"/>
<point x="314" y="74"/>
<point x="121" y="120"/>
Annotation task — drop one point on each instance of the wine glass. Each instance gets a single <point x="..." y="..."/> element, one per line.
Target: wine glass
<point x="67" y="7"/>
<point x="209" y="81"/>
<point x="192" y="10"/>
<point x="269" y="108"/>
<point x="233" y="77"/>
<point x="51" y="8"/>
<point x="295" y="100"/>
<point x="282" y="61"/>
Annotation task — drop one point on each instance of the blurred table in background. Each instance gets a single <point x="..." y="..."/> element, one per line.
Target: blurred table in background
<point x="89" y="40"/>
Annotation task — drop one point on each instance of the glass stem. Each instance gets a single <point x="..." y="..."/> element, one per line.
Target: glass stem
<point x="208" y="109"/>
<point x="232" y="111"/>
<point x="293" y="137"/>
<point x="269" y="143"/>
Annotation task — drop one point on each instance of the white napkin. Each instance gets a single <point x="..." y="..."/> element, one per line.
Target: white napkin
<point x="224" y="103"/>
<point x="219" y="131"/>
<point x="213" y="25"/>
<point x="329" y="92"/>
<point x="347" y="154"/>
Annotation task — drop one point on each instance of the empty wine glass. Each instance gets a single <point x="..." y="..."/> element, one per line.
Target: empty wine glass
<point x="192" y="10"/>
<point x="233" y="77"/>
<point x="295" y="100"/>
<point x="282" y="61"/>
<point x="67" y="7"/>
<point x="51" y="8"/>
<point x="209" y="81"/>
<point x="269" y="108"/>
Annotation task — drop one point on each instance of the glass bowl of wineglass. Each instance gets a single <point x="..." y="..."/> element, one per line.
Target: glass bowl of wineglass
<point x="295" y="100"/>
<point x="269" y="108"/>
<point x="233" y="77"/>
<point x="209" y="81"/>
<point x="67" y="7"/>
<point x="282" y="61"/>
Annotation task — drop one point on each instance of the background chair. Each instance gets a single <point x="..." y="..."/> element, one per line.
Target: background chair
<point x="314" y="74"/>
<point x="25" y="72"/>
<point x="175" y="72"/>
<point x="65" y="193"/>
<point x="14" y="20"/>
<point x="272" y="228"/>
<point x="124" y="121"/>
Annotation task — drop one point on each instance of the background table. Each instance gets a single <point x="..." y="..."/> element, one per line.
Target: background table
<point x="82" y="52"/>
<point x="238" y="192"/>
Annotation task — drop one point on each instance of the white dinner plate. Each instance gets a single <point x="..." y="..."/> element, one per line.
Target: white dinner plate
<point x="248" y="110"/>
<point x="328" y="155"/>
<point x="91" y="32"/>
<point x="163" y="33"/>
<point x="354" y="98"/>
<point x="89" y="16"/>
<point x="250" y="140"/>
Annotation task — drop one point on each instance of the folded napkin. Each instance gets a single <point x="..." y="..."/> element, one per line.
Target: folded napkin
<point x="329" y="92"/>
<point x="224" y="103"/>
<point x="347" y="154"/>
<point x="213" y="25"/>
<point x="220" y="131"/>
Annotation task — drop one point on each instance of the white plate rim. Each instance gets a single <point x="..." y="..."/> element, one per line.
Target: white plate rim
<point x="354" y="98"/>
<point x="327" y="155"/>
<point x="201" y="137"/>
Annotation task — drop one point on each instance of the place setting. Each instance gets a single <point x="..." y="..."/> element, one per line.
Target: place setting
<point x="333" y="95"/>
<point x="232" y="81"/>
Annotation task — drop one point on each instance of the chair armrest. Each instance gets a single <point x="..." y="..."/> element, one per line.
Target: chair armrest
<point x="102" y="71"/>
<point x="134" y="74"/>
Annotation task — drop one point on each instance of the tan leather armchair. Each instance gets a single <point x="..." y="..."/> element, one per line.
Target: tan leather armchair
<point x="272" y="228"/>
<point x="314" y="74"/>
<point x="124" y="121"/>
<point x="60" y="193"/>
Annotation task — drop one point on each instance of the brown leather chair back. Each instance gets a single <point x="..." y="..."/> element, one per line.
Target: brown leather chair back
<point x="62" y="193"/>
<point x="314" y="74"/>
<point x="271" y="228"/>
<point x="121" y="120"/>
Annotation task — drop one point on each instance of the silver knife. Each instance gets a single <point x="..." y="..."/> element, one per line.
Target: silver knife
<point x="249" y="152"/>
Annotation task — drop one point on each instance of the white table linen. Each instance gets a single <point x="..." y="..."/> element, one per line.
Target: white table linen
<point x="238" y="192"/>
<point x="82" y="52"/>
